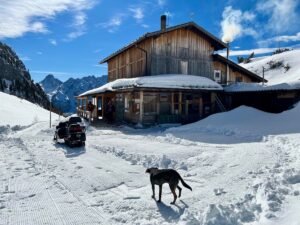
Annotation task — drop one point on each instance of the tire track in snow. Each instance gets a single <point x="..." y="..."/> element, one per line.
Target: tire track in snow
<point x="90" y="211"/>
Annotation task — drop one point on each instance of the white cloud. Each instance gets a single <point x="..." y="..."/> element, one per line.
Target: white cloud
<point x="282" y="38"/>
<point x="138" y="13"/>
<point x="50" y="72"/>
<point x="282" y="14"/>
<point x="21" y="16"/>
<point x="288" y="38"/>
<point x="145" y="25"/>
<point x="161" y="3"/>
<point x="169" y="14"/>
<point x="53" y="42"/>
<point x="113" y="24"/>
<point x="74" y="35"/>
<point x="235" y="24"/>
<point x="257" y="51"/>
<point x="98" y="50"/>
<point x="78" y="26"/>
<point x="25" y="58"/>
<point x="80" y="19"/>
<point x="39" y="53"/>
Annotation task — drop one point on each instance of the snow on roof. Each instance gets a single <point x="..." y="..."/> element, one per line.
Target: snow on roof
<point x="243" y="87"/>
<point x="172" y="81"/>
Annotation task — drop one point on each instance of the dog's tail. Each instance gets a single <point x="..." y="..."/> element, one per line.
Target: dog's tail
<point x="184" y="184"/>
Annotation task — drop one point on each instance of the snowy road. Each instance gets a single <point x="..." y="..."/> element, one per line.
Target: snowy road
<point x="105" y="182"/>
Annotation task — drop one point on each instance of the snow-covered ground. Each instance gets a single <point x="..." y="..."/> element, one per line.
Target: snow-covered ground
<point x="243" y="166"/>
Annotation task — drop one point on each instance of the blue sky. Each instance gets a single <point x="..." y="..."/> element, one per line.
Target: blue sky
<point x="69" y="37"/>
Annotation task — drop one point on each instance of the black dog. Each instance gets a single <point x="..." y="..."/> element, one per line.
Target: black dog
<point x="172" y="177"/>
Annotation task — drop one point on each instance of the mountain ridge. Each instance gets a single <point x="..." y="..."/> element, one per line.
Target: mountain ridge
<point x="62" y="94"/>
<point x="16" y="80"/>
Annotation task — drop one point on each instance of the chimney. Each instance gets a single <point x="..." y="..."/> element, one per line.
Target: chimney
<point x="163" y="22"/>
<point x="227" y="55"/>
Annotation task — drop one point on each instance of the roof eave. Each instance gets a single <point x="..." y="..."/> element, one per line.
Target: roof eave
<point x="248" y="72"/>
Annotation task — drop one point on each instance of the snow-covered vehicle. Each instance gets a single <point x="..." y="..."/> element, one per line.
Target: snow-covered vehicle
<point x="72" y="131"/>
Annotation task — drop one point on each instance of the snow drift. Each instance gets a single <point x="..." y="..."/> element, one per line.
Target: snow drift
<point x="243" y="123"/>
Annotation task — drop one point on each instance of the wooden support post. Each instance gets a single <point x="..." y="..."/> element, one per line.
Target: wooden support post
<point x="158" y="104"/>
<point x="180" y="103"/>
<point x="102" y="106"/>
<point x="186" y="107"/>
<point x="96" y="107"/>
<point x="201" y="106"/>
<point x="141" y="107"/>
<point x="172" y="103"/>
<point x="213" y="102"/>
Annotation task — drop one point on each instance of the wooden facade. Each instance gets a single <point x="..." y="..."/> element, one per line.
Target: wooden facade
<point x="234" y="75"/>
<point x="180" y="51"/>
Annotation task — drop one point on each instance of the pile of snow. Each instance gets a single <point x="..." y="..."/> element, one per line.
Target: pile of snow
<point x="178" y="81"/>
<point x="20" y="112"/>
<point x="279" y="68"/>
<point x="243" y="122"/>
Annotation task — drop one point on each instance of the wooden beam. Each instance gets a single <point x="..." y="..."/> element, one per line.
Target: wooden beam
<point x="180" y="103"/>
<point x="141" y="106"/>
<point x="102" y="106"/>
<point x="172" y="103"/>
<point x="201" y="106"/>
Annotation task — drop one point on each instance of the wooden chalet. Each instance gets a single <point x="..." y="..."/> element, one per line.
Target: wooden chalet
<point x="182" y="52"/>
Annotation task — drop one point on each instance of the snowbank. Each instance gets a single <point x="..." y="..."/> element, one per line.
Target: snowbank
<point x="19" y="112"/>
<point x="244" y="123"/>
<point x="159" y="81"/>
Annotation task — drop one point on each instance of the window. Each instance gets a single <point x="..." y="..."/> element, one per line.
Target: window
<point x="217" y="76"/>
<point x="126" y="102"/>
<point x="184" y="67"/>
<point x="132" y="103"/>
<point x="150" y="103"/>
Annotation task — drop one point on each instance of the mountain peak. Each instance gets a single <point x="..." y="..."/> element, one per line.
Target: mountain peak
<point x="50" y="83"/>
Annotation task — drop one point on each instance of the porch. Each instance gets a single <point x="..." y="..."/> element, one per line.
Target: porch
<point x="149" y="106"/>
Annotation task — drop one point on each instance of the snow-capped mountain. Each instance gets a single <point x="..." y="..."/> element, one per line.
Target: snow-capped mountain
<point x="279" y="68"/>
<point x="63" y="94"/>
<point x="50" y="84"/>
<point x="16" y="80"/>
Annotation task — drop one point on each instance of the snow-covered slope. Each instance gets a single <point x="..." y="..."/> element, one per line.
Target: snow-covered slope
<point x="279" y="68"/>
<point x="15" y="111"/>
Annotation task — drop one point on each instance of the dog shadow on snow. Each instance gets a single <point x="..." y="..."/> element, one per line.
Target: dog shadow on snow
<point x="169" y="213"/>
<point x="70" y="152"/>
